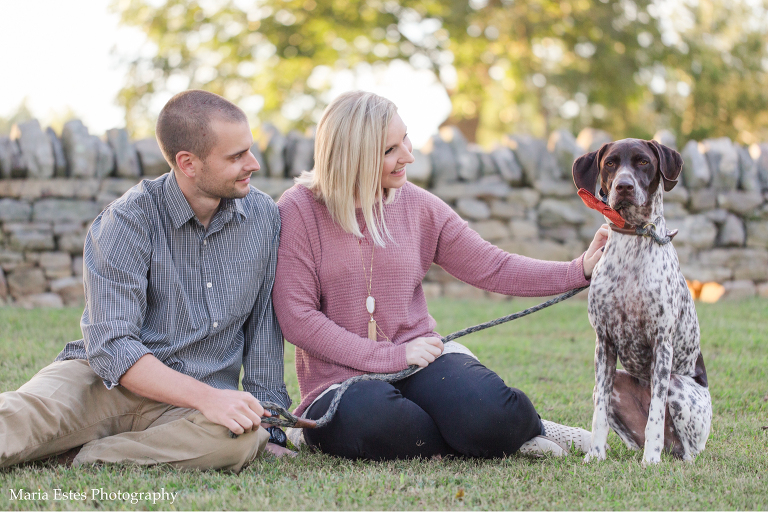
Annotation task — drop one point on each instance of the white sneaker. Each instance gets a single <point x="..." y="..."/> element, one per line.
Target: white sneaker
<point x="295" y="436"/>
<point x="541" y="445"/>
<point x="572" y="437"/>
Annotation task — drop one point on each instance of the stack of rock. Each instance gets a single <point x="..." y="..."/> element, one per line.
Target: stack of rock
<point x="523" y="199"/>
<point x="518" y="195"/>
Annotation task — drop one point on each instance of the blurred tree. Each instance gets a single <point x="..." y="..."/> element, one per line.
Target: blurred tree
<point x="527" y="66"/>
<point x="717" y="84"/>
<point x="21" y="115"/>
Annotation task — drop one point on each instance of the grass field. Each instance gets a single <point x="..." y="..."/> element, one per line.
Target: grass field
<point x="548" y="355"/>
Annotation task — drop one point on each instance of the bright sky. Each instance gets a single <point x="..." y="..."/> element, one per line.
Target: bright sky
<point x="59" y="55"/>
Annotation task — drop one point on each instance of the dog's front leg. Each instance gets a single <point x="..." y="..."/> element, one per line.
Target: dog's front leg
<point x="605" y="370"/>
<point x="661" y="371"/>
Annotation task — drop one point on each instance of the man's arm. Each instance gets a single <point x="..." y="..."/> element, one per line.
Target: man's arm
<point x="263" y="351"/>
<point x="116" y="259"/>
<point x="237" y="410"/>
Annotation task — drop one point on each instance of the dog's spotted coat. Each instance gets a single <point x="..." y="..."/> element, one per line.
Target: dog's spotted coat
<point x="643" y="313"/>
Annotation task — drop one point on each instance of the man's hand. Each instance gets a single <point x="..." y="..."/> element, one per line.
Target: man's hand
<point x="239" y="411"/>
<point x="595" y="250"/>
<point x="423" y="351"/>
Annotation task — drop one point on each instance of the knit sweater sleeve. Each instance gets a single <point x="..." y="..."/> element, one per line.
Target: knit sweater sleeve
<point x="297" y="293"/>
<point x="466" y="256"/>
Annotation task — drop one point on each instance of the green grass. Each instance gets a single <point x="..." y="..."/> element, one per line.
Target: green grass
<point x="548" y="355"/>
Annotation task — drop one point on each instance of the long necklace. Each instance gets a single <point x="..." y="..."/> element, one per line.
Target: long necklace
<point x="370" y="302"/>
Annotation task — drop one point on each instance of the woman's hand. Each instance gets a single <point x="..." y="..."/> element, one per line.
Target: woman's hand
<point x="423" y="351"/>
<point x="595" y="250"/>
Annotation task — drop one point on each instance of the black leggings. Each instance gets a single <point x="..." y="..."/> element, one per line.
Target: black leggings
<point x="454" y="406"/>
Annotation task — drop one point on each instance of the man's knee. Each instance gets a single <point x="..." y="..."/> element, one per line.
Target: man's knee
<point x="61" y="376"/>
<point x="236" y="453"/>
<point x="192" y="442"/>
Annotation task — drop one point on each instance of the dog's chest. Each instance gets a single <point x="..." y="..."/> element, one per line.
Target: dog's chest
<point x="635" y="296"/>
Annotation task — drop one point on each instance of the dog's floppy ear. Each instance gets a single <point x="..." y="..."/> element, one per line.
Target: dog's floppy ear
<point x="670" y="164"/>
<point x="586" y="169"/>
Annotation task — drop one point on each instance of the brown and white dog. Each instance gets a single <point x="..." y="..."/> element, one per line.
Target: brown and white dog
<point x="642" y="311"/>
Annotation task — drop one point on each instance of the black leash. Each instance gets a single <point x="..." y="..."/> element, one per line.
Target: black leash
<point x="297" y="422"/>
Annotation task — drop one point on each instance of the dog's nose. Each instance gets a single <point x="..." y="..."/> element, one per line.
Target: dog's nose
<point x="624" y="187"/>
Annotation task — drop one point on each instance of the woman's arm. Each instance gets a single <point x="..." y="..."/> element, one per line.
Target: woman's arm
<point x="296" y="297"/>
<point x="466" y="256"/>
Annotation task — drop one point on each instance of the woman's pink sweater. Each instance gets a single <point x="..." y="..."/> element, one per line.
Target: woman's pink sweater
<point x="323" y="273"/>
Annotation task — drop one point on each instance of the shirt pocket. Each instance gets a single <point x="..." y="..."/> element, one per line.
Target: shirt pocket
<point x="243" y="282"/>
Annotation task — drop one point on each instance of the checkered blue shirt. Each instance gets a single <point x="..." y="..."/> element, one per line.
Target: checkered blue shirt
<point x="156" y="281"/>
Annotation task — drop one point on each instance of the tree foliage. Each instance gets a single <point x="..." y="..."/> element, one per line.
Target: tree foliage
<point x="507" y="65"/>
<point x="20" y="115"/>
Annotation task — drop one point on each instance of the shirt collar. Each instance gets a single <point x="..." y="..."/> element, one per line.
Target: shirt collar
<point x="178" y="206"/>
<point x="233" y="205"/>
<point x="181" y="212"/>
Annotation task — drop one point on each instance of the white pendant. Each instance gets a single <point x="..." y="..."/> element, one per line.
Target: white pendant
<point x="370" y="304"/>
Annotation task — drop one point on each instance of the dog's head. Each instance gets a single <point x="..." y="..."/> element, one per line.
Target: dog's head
<point x="629" y="172"/>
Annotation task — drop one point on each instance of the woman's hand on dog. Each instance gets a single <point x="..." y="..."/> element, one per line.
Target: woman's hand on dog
<point x="595" y="250"/>
<point x="422" y="351"/>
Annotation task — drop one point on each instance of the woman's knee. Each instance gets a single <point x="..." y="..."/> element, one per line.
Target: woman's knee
<point x="470" y="392"/>
<point x="498" y="428"/>
<point x="369" y="405"/>
<point x="476" y="412"/>
<point x="374" y="421"/>
<point x="362" y="414"/>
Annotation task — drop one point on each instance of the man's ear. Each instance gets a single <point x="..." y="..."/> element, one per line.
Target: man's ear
<point x="670" y="164"/>
<point x="586" y="169"/>
<point x="185" y="162"/>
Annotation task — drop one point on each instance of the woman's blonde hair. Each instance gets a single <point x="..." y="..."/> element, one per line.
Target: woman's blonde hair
<point x="349" y="155"/>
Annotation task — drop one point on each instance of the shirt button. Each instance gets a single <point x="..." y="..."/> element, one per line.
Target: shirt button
<point x="210" y="285"/>
<point x="205" y="242"/>
<point x="215" y="324"/>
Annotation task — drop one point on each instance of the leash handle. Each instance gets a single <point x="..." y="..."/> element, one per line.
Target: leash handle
<point x="290" y="420"/>
<point x="276" y="421"/>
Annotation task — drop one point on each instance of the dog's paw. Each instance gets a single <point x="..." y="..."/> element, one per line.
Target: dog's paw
<point x="651" y="459"/>
<point x="595" y="453"/>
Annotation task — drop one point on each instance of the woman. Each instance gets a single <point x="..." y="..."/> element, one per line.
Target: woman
<point x="356" y="242"/>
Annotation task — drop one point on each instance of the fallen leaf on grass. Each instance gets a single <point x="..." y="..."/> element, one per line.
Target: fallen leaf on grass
<point x="765" y="427"/>
<point x="460" y="494"/>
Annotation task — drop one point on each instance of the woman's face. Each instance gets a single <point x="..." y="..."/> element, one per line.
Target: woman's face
<point x="397" y="153"/>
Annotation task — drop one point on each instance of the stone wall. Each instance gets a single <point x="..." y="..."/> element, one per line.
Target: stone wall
<point x="519" y="196"/>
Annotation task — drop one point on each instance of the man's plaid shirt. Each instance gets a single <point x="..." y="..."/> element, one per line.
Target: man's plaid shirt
<point x="156" y="281"/>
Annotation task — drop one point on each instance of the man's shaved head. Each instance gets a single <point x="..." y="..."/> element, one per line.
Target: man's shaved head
<point x="184" y="123"/>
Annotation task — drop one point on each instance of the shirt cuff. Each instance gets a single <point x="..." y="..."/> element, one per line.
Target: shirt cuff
<point x="111" y="365"/>
<point x="279" y="397"/>
<point x="399" y="357"/>
<point x="576" y="273"/>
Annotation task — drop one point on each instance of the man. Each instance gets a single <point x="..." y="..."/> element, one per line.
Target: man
<point x="178" y="277"/>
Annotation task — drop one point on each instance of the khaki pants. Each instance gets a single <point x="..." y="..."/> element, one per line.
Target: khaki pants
<point x="67" y="405"/>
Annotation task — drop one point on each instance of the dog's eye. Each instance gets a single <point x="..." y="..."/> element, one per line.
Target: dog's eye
<point x="609" y="164"/>
<point x="644" y="162"/>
